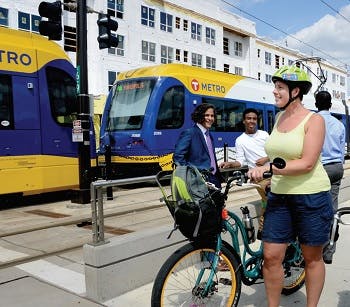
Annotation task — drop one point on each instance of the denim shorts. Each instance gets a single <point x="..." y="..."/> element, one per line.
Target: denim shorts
<point x="306" y="217"/>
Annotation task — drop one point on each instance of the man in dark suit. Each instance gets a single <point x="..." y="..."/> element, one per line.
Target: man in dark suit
<point x="195" y="145"/>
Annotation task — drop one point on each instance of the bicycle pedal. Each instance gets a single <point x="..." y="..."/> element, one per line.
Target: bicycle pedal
<point x="225" y="281"/>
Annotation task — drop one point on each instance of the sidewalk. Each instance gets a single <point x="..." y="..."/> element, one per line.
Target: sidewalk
<point x="55" y="281"/>
<point x="59" y="281"/>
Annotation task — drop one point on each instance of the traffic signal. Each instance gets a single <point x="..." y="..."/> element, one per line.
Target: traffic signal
<point x="106" y="39"/>
<point x="53" y="26"/>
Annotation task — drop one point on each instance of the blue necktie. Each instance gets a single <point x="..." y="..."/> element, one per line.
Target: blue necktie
<point x="211" y="151"/>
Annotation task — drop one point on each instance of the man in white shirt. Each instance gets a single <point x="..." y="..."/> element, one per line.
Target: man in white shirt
<point x="250" y="151"/>
<point x="250" y="144"/>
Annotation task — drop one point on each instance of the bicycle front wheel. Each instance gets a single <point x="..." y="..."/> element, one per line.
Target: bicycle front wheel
<point x="184" y="280"/>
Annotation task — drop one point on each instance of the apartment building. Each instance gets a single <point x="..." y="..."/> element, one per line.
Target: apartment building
<point x="151" y="32"/>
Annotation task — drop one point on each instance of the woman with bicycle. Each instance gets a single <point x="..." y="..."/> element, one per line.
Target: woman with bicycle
<point x="299" y="204"/>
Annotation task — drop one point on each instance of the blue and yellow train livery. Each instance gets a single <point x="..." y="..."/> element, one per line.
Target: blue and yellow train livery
<point x="148" y="107"/>
<point x="37" y="107"/>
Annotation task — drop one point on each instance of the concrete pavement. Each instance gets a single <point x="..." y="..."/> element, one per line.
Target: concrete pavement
<point x="59" y="280"/>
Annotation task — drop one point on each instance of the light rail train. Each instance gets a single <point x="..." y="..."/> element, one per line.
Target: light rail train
<point x="148" y="107"/>
<point x="37" y="106"/>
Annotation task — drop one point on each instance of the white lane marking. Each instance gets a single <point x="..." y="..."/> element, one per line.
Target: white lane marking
<point x="8" y="254"/>
<point x="62" y="277"/>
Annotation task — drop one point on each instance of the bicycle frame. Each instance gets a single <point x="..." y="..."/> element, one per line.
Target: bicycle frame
<point x="238" y="227"/>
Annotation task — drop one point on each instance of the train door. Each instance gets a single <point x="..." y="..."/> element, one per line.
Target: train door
<point x="58" y="110"/>
<point x="169" y="119"/>
<point x="21" y="133"/>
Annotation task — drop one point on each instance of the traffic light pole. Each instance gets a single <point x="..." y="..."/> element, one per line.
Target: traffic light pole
<point x="83" y="196"/>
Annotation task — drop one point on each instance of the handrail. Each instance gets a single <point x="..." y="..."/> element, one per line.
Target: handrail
<point x="96" y="190"/>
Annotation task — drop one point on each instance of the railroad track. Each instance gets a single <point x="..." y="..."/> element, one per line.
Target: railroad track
<point x="66" y="228"/>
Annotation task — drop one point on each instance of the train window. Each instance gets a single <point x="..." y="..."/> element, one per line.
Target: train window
<point x="260" y="119"/>
<point x="128" y="105"/>
<point x="229" y="114"/>
<point x="270" y="121"/>
<point x="6" y="103"/>
<point x="62" y="95"/>
<point x="171" y="110"/>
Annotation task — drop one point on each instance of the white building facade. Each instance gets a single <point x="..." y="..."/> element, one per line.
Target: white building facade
<point x="152" y="32"/>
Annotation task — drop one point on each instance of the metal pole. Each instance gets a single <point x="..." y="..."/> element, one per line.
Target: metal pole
<point x="84" y="107"/>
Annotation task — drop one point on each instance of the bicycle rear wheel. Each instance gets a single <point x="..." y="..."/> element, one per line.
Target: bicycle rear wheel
<point x="183" y="277"/>
<point x="294" y="269"/>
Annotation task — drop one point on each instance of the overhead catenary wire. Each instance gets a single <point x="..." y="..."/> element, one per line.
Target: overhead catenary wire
<point x="333" y="9"/>
<point x="286" y="33"/>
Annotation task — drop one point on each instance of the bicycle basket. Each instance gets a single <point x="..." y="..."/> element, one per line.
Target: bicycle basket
<point x="196" y="220"/>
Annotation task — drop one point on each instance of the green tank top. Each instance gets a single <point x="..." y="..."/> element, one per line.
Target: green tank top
<point x="289" y="146"/>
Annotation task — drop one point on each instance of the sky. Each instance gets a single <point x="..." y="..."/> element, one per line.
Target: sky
<point x="315" y="27"/>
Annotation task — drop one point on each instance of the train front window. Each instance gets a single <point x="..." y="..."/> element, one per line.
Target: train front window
<point x="172" y="109"/>
<point x="129" y="104"/>
<point x="62" y="95"/>
<point x="6" y="103"/>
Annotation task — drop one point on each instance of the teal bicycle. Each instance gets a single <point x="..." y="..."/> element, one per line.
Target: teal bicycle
<point x="210" y="272"/>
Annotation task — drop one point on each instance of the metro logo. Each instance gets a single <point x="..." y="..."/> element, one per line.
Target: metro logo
<point x="208" y="87"/>
<point x="195" y="85"/>
<point x="11" y="57"/>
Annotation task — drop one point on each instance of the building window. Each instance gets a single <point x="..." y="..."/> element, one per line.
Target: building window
<point x="238" y="70"/>
<point x="148" y="51"/>
<point x="268" y="78"/>
<point x="226" y="68"/>
<point x="119" y="50"/>
<point x="196" y="31"/>
<point x="282" y="61"/>
<point x="35" y="23"/>
<point x="258" y="53"/>
<point x="115" y="8"/>
<point x="267" y="58"/>
<point x="238" y="49"/>
<point x="259" y="75"/>
<point x="225" y="45"/>
<point x="290" y="62"/>
<point x="147" y="16"/>
<point x="111" y="78"/>
<point x="166" y="22"/>
<point x="210" y="63"/>
<point x="196" y="59"/>
<point x="277" y="61"/>
<point x="23" y="21"/>
<point x="333" y="77"/>
<point x="4" y="16"/>
<point x="177" y="22"/>
<point x="342" y="80"/>
<point x="185" y="56"/>
<point x="166" y="54"/>
<point x="210" y="36"/>
<point x="185" y="25"/>
<point x="177" y="55"/>
<point x="28" y="22"/>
